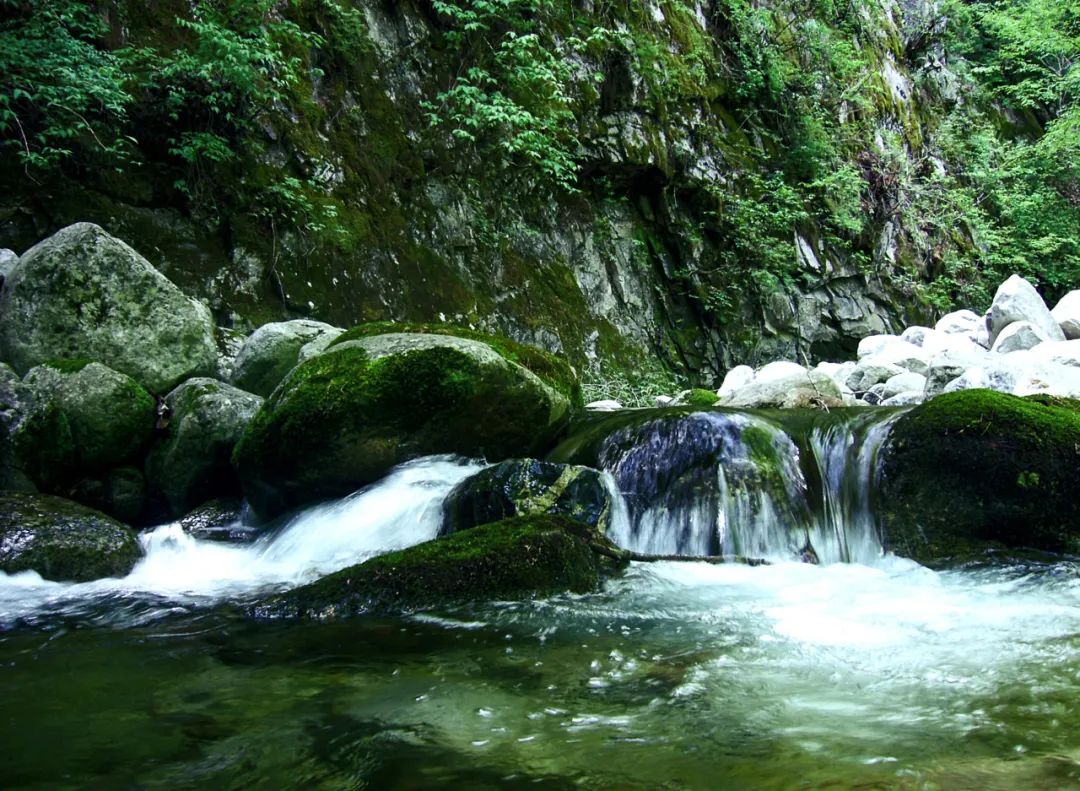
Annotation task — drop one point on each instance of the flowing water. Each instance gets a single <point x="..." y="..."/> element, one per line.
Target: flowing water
<point x="865" y="671"/>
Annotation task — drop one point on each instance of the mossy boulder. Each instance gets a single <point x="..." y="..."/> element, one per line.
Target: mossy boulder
<point x="346" y="417"/>
<point x="511" y="559"/>
<point x="120" y="493"/>
<point x="273" y="350"/>
<point x="521" y="487"/>
<point x="62" y="540"/>
<point x="36" y="446"/>
<point x="193" y="461"/>
<point x="551" y="369"/>
<point x="82" y="294"/>
<point x="977" y="469"/>
<point x="110" y="417"/>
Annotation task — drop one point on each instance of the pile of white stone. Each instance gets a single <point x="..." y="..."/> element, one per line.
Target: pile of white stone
<point x="1020" y="346"/>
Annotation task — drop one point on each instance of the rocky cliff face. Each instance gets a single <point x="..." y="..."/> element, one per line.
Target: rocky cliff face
<point x="637" y="270"/>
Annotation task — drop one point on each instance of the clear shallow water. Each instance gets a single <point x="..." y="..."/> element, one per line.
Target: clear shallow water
<point x="677" y="675"/>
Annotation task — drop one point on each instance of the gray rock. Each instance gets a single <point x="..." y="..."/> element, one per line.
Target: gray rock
<point x="903" y="383"/>
<point x="274" y="349"/>
<point x="960" y="322"/>
<point x="663" y="401"/>
<point x="943" y="369"/>
<point x="81" y="294"/>
<point x="8" y="260"/>
<point x="193" y="463"/>
<point x="1067" y="314"/>
<point x="110" y="416"/>
<point x="909" y="398"/>
<point x="796" y="390"/>
<point x="1017" y="300"/>
<point x="62" y="540"/>
<point x="526" y="487"/>
<point x="868" y="374"/>
<point x="1018" y="336"/>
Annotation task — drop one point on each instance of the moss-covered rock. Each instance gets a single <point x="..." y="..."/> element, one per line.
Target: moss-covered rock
<point x="344" y="418"/>
<point x="522" y="487"/>
<point x="553" y="370"/>
<point x="515" y="558"/>
<point x="82" y="294"/>
<point x="62" y="540"/>
<point x="975" y="469"/>
<point x="120" y="493"/>
<point x="273" y="350"/>
<point x="109" y="415"/>
<point x="193" y="461"/>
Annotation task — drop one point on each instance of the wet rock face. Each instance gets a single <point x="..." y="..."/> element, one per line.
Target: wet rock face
<point x="82" y="294"/>
<point x="522" y="487"/>
<point x="344" y="418"/>
<point x="515" y="558"/>
<point x="61" y="540"/>
<point x="975" y="469"/>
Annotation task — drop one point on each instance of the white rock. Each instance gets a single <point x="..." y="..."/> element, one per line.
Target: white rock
<point x="774" y="372"/>
<point x="959" y="322"/>
<point x="838" y="372"/>
<point x="607" y="405"/>
<point x="874" y="345"/>
<point x="737" y="377"/>
<point x="663" y="400"/>
<point x="1017" y="300"/>
<point x="797" y="390"/>
<point x="902" y="383"/>
<point x="909" y="398"/>
<point x="1066" y="313"/>
<point x="1061" y="352"/>
<point x="916" y="335"/>
<point x="1017" y="337"/>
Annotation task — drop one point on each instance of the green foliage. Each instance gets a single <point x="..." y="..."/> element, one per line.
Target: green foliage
<point x="61" y="90"/>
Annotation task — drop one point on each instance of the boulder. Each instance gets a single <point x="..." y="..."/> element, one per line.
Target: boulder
<point x="516" y="558"/>
<point x="1067" y="314"/>
<point x="806" y="389"/>
<point x="36" y="447"/>
<point x="81" y="294"/>
<point x="8" y="261"/>
<point x="220" y="519"/>
<point x="1018" y="336"/>
<point x="346" y="417"/>
<point x="1060" y="352"/>
<point x="193" y="461"/>
<point x="110" y="416"/>
<point x="606" y="405"/>
<point x="970" y="470"/>
<point x="1017" y="300"/>
<point x="522" y="487"/>
<point x="662" y="401"/>
<point x="778" y="371"/>
<point x="960" y="322"/>
<point x="903" y="383"/>
<point x="62" y="540"/>
<point x="873" y="345"/>
<point x="916" y="335"/>
<point x="120" y="493"/>
<point x="947" y="366"/>
<point x="738" y="377"/>
<point x="908" y="398"/>
<point x="870" y="373"/>
<point x="273" y="350"/>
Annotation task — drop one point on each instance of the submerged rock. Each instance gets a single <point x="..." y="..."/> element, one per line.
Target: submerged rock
<point x="346" y="417"/>
<point x="522" y="487"/>
<point x="194" y="460"/>
<point x="62" y="540"/>
<point x="974" y="469"/>
<point x="82" y="294"/>
<point x="511" y="559"/>
<point x="273" y="350"/>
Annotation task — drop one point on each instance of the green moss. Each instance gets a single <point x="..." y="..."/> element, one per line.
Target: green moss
<point x="702" y="398"/>
<point x="515" y="558"/>
<point x="978" y="468"/>
<point x="342" y="420"/>
<point x="553" y="370"/>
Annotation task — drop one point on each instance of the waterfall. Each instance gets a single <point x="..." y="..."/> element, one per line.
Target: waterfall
<point x="741" y="483"/>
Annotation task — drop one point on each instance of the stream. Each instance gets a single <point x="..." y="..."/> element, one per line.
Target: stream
<point x="863" y="671"/>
